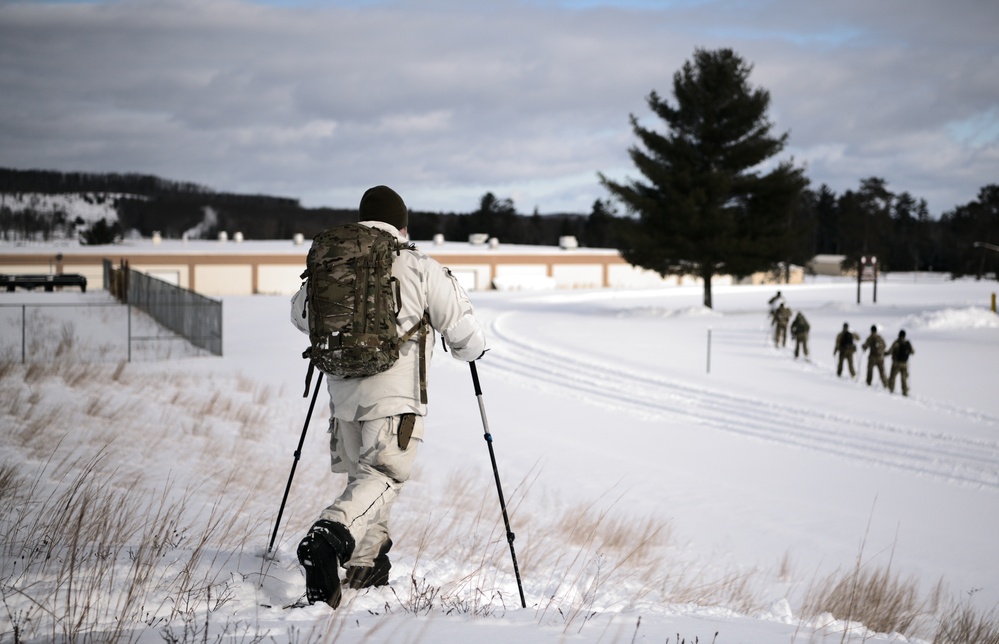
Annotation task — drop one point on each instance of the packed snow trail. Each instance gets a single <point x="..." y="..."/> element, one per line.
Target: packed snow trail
<point x="946" y="456"/>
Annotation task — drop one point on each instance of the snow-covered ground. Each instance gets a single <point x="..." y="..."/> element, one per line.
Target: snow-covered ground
<point x="681" y="430"/>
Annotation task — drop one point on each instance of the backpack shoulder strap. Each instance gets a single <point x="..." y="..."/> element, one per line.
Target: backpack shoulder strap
<point x="422" y="327"/>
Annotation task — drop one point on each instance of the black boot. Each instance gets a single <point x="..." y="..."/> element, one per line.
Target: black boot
<point x="320" y="553"/>
<point x="374" y="575"/>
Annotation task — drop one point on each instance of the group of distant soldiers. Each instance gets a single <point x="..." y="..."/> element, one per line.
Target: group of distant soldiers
<point x="846" y="345"/>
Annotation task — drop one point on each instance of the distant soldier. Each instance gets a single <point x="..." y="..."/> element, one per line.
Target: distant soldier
<point x="799" y="331"/>
<point x="845" y="347"/>
<point x="875" y="347"/>
<point x="900" y="351"/>
<point x="774" y="303"/>
<point x="781" y="317"/>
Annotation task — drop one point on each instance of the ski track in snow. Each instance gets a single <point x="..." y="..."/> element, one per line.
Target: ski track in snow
<point x="943" y="456"/>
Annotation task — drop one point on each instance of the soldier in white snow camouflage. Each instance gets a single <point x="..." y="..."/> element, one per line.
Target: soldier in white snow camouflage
<point x="377" y="421"/>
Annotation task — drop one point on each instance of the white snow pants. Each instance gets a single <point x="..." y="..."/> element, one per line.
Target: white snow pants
<point x="368" y="452"/>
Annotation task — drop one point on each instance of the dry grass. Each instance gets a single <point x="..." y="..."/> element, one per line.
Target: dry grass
<point x="84" y="537"/>
<point x="585" y="559"/>
<point x="967" y="625"/>
<point x="871" y="598"/>
<point x="876" y="597"/>
<point x="89" y="551"/>
<point x="84" y="562"/>
<point x="880" y="601"/>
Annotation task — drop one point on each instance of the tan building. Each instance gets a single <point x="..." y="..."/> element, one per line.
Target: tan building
<point x="828" y="265"/>
<point x="233" y="267"/>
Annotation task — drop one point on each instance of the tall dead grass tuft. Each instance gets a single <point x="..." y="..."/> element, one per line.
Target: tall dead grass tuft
<point x="67" y="340"/>
<point x="85" y="560"/>
<point x="35" y="372"/>
<point x="873" y="596"/>
<point x="76" y="375"/>
<point x="36" y="428"/>
<point x="966" y="625"/>
<point x="883" y="602"/>
<point x="9" y="483"/>
<point x="87" y="551"/>
<point x="877" y="598"/>
<point x="119" y="371"/>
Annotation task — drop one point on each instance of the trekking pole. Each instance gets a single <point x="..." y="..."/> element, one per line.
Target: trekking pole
<point x="294" y="464"/>
<point x="499" y="487"/>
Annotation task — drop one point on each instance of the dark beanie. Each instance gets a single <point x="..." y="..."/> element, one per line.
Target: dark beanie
<point x="874" y="327"/>
<point x="382" y="203"/>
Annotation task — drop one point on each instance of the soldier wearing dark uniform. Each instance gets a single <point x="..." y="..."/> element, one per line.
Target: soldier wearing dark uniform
<point x="875" y="347"/>
<point x="900" y="351"/>
<point x="845" y="347"/>
<point x="773" y="303"/>
<point x="799" y="331"/>
<point x="781" y="317"/>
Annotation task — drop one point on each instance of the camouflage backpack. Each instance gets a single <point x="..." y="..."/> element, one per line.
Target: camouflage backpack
<point x="878" y="347"/>
<point x="353" y="302"/>
<point x="845" y="341"/>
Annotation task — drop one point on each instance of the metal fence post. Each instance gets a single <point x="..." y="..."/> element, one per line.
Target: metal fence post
<point x="709" y="350"/>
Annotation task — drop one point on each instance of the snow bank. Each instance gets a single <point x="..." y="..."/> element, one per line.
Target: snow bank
<point x="948" y="319"/>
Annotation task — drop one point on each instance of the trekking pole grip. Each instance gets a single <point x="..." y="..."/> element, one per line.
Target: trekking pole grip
<point x="475" y="378"/>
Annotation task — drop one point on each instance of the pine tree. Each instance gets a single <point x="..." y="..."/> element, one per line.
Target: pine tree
<point x="709" y="206"/>
<point x="101" y="232"/>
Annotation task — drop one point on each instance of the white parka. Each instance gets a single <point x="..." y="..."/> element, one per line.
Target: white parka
<point x="425" y="286"/>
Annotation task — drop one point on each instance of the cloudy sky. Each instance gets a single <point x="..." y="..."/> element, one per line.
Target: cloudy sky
<point x="448" y="99"/>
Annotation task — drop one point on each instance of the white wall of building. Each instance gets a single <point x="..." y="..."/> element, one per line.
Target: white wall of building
<point x="278" y="279"/>
<point x="215" y="280"/>
<point x="578" y="275"/>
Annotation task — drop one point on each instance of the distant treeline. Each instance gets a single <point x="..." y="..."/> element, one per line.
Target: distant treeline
<point x="898" y="229"/>
<point x="50" y="182"/>
<point x="872" y="220"/>
<point x="147" y="203"/>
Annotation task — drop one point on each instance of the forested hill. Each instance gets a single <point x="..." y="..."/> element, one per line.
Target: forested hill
<point x="145" y="203"/>
<point x="52" y="182"/>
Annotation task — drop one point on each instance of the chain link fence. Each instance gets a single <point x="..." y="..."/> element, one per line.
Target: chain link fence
<point x="90" y="332"/>
<point x="188" y="314"/>
<point x="152" y="320"/>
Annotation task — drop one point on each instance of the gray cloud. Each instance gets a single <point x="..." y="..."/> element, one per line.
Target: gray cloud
<point x="446" y="100"/>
